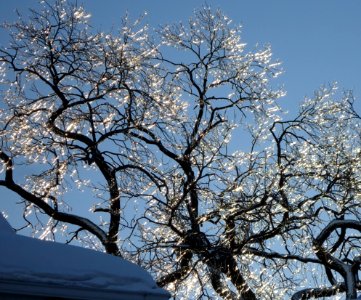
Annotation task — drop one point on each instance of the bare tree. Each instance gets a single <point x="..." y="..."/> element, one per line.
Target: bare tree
<point x="319" y="157"/>
<point x="176" y="144"/>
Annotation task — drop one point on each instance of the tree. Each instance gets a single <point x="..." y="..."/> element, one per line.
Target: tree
<point x="185" y="160"/>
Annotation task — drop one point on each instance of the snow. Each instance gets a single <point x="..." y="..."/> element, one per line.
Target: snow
<point x="25" y="259"/>
<point x="5" y="227"/>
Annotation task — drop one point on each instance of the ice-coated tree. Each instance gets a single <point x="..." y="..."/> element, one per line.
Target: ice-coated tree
<point x="169" y="148"/>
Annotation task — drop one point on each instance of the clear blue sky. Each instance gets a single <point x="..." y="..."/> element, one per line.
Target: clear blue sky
<point x="319" y="42"/>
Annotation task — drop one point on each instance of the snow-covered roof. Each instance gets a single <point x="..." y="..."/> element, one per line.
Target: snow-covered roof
<point x="36" y="266"/>
<point x="5" y="227"/>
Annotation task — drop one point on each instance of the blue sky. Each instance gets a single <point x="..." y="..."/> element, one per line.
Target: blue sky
<point x="318" y="42"/>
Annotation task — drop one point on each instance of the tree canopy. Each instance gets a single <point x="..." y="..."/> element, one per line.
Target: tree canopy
<point x="175" y="141"/>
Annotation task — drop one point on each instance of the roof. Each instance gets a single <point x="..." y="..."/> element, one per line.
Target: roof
<point x="29" y="265"/>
